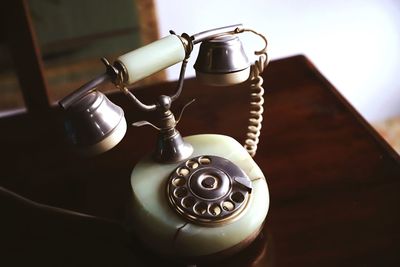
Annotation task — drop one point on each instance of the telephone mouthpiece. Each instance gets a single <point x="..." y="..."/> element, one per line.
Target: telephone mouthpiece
<point x="94" y="124"/>
<point x="222" y="61"/>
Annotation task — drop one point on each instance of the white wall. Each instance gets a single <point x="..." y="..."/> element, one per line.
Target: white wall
<point x="354" y="43"/>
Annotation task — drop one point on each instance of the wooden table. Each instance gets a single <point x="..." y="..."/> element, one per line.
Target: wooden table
<point x="334" y="182"/>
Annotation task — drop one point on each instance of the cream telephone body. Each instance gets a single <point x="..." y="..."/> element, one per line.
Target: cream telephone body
<point x="198" y="196"/>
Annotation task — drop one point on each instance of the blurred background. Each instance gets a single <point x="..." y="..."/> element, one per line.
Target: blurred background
<point x="354" y="43"/>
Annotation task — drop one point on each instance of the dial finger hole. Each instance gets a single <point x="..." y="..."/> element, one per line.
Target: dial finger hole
<point x="237" y="197"/>
<point x="192" y="164"/>
<point x="204" y="160"/>
<point x="188" y="202"/>
<point x="180" y="192"/>
<point x="183" y="171"/>
<point x="215" y="210"/>
<point x="178" y="181"/>
<point x="200" y="208"/>
<point x="228" y="205"/>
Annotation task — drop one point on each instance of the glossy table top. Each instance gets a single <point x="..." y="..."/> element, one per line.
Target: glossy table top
<point x="334" y="183"/>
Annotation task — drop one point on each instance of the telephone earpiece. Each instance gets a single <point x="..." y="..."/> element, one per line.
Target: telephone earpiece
<point x="222" y="61"/>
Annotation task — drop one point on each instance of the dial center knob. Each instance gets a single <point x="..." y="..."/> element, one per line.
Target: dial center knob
<point x="209" y="183"/>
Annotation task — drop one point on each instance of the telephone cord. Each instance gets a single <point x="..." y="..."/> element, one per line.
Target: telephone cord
<point x="256" y="105"/>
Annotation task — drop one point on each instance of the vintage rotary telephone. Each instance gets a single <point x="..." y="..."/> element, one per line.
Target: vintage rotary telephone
<point x="198" y="196"/>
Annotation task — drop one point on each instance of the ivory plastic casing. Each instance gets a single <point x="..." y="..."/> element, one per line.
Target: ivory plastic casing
<point x="152" y="58"/>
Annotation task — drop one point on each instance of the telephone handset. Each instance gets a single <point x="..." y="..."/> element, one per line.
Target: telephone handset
<point x="195" y="197"/>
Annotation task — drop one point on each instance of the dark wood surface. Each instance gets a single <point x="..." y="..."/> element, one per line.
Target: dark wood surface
<point x="334" y="183"/>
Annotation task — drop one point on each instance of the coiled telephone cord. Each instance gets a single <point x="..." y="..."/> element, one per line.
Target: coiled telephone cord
<point x="256" y="105"/>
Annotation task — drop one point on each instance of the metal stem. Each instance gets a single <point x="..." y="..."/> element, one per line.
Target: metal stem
<point x="152" y="107"/>
<point x="137" y="102"/>
<point x="181" y="80"/>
